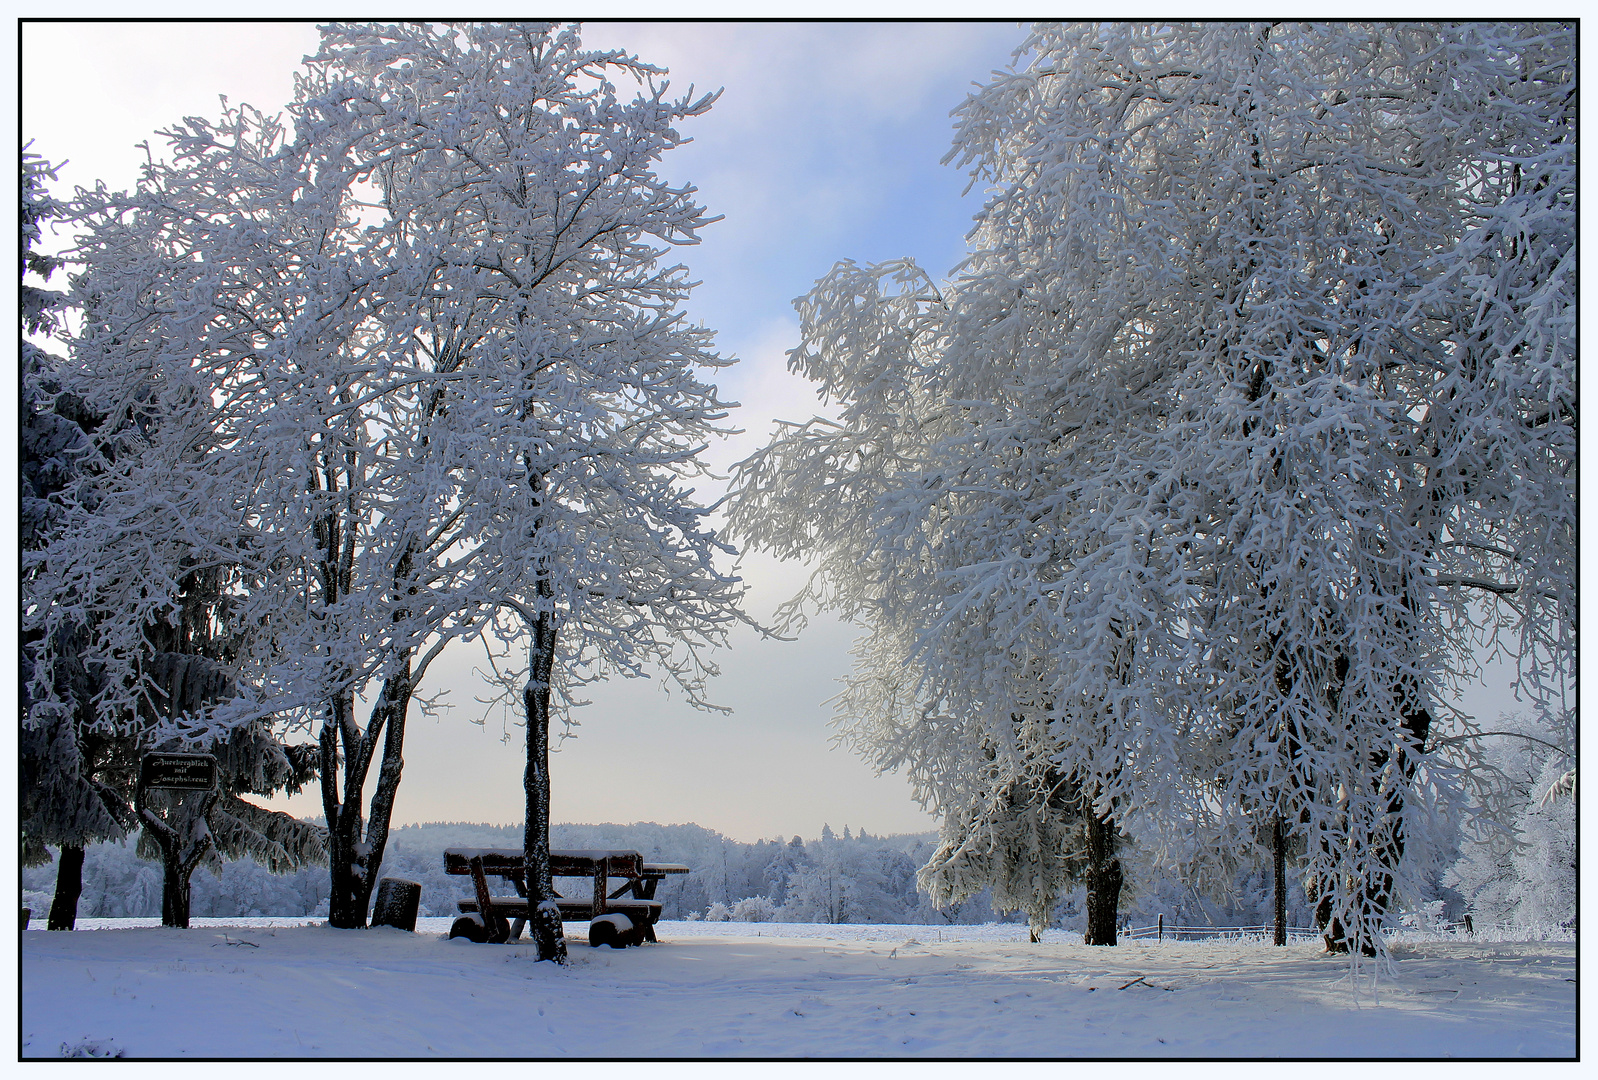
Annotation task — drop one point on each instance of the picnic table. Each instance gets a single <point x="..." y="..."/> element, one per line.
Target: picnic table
<point x="501" y="918"/>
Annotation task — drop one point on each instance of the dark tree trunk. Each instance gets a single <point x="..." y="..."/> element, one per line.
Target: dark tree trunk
<point x="1373" y="897"/>
<point x="1279" y="844"/>
<point x="343" y="821"/>
<point x="346" y="902"/>
<point x="1331" y="929"/>
<point x="1103" y="881"/>
<point x="369" y="860"/>
<point x="545" y="920"/>
<point x="355" y="844"/>
<point x="68" y="887"/>
<point x="183" y="842"/>
<point x="174" y="893"/>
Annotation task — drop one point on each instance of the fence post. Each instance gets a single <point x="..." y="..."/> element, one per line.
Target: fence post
<point x="1162" y="929"/>
<point x="1469" y="929"/>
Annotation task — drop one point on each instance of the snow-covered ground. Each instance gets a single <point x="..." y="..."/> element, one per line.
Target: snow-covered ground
<point x="294" y="988"/>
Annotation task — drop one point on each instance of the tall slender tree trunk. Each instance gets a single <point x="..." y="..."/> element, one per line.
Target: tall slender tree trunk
<point x="343" y="818"/>
<point x="545" y="916"/>
<point x="1103" y="880"/>
<point x="397" y="697"/>
<point x="1279" y="871"/>
<point x="345" y="822"/>
<point x="68" y="887"/>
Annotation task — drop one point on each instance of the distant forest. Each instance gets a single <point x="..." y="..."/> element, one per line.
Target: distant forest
<point x="854" y="877"/>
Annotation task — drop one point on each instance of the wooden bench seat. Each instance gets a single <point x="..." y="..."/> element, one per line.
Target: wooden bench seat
<point x="515" y="907"/>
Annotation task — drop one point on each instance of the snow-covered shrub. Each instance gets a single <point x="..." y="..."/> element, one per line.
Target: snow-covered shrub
<point x="37" y="901"/>
<point x="1429" y="916"/>
<point x="754" y="909"/>
<point x="717" y="912"/>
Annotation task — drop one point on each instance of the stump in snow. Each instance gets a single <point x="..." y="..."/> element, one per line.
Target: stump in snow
<point x="616" y="930"/>
<point x="469" y="927"/>
<point x="397" y="902"/>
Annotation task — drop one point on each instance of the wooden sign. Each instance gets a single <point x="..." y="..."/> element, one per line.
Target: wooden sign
<point x="183" y="772"/>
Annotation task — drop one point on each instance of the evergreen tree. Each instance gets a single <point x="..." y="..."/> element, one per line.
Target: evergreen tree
<point x="86" y="722"/>
<point x="76" y="777"/>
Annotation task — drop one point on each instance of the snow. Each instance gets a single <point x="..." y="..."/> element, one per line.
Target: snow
<point x="297" y="988"/>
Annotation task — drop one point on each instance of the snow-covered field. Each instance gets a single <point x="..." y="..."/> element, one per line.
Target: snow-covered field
<point x="290" y="988"/>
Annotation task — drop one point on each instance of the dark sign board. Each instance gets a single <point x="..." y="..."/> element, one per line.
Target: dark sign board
<point x="185" y="772"/>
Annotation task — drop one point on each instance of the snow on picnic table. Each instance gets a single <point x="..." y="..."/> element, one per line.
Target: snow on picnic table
<point x="293" y="988"/>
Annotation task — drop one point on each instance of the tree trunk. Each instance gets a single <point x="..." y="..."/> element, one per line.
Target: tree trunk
<point x="1373" y="896"/>
<point x="1331" y="929"/>
<point x="355" y="843"/>
<point x="174" y="892"/>
<point x="1103" y="881"/>
<point x="1280" y="873"/>
<point x="545" y="920"/>
<point x="346" y="902"/>
<point x="68" y="887"/>
<point x="396" y="702"/>
<point x="183" y="841"/>
<point x="342" y="832"/>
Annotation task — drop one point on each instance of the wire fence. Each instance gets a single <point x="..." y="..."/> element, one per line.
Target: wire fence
<point x="1162" y="931"/>
<point x="1466" y="929"/>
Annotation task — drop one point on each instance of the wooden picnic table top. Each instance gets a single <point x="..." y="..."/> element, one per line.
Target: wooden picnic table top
<point x="581" y="861"/>
<point x="492" y="913"/>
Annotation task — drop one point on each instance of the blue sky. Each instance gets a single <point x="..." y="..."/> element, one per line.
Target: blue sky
<point x="825" y="145"/>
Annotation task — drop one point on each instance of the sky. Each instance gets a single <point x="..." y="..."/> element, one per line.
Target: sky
<point x="825" y="144"/>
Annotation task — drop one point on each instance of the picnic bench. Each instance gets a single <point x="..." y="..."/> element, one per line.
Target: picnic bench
<point x="501" y="918"/>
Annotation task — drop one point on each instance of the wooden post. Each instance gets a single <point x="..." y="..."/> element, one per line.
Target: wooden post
<point x="1161" y="935"/>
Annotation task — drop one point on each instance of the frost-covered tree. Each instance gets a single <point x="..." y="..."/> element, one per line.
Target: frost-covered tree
<point x="207" y="345"/>
<point x="1519" y="862"/>
<point x="1251" y="407"/>
<point x="184" y="830"/>
<point x="451" y="395"/>
<point x="524" y="227"/>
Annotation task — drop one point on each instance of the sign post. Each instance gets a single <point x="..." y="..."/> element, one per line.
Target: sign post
<point x="178" y="772"/>
<point x="184" y="835"/>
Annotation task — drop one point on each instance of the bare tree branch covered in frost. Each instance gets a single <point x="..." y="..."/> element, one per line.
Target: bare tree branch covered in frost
<point x="420" y="375"/>
<point x="1248" y="424"/>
